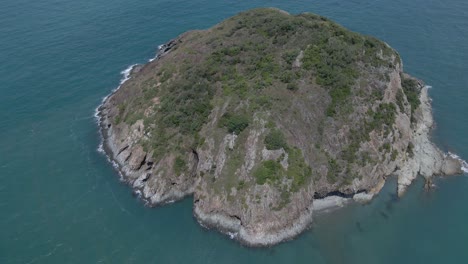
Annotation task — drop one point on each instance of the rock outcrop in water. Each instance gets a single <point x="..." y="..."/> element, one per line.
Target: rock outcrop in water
<point x="268" y="117"/>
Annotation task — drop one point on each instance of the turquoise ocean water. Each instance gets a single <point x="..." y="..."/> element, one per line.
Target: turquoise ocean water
<point x="62" y="202"/>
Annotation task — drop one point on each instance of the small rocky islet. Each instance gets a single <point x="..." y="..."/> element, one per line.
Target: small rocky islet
<point x="267" y="118"/>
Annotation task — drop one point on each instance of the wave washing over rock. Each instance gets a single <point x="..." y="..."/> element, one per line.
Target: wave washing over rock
<point x="464" y="164"/>
<point x="268" y="118"/>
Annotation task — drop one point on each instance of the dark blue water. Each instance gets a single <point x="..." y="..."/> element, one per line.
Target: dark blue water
<point x="62" y="202"/>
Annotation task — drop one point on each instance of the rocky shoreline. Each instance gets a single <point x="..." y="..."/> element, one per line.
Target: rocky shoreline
<point x="233" y="227"/>
<point x="112" y="150"/>
<point x="428" y="160"/>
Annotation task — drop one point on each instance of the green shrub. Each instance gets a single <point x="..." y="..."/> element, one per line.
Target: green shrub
<point x="263" y="101"/>
<point x="275" y="140"/>
<point x="234" y="123"/>
<point x="410" y="149"/>
<point x="394" y="155"/>
<point x="382" y="119"/>
<point x="292" y="87"/>
<point x="132" y="117"/>
<point x="241" y="185"/>
<point x="411" y="89"/>
<point x="333" y="170"/>
<point x="385" y="115"/>
<point x="188" y="106"/>
<point x="400" y="100"/>
<point x="290" y="56"/>
<point x="166" y="73"/>
<point x="333" y="61"/>
<point x="287" y="77"/>
<point x="179" y="165"/>
<point x="118" y="117"/>
<point x="386" y="147"/>
<point x="267" y="171"/>
<point x="339" y="96"/>
<point x="349" y="153"/>
<point x="298" y="170"/>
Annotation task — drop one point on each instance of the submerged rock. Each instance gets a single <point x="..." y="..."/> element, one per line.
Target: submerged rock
<point x="267" y="118"/>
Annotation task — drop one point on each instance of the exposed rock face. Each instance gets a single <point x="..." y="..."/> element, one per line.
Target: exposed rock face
<point x="427" y="160"/>
<point x="283" y="136"/>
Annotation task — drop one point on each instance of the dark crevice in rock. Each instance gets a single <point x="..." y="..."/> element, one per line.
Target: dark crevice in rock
<point x="195" y="154"/>
<point x="165" y="48"/>
<point x="122" y="149"/>
<point x="195" y="162"/>
<point x="336" y="193"/>
<point x="236" y="217"/>
<point x="146" y="177"/>
<point x="143" y="161"/>
<point x="128" y="157"/>
<point x="149" y="165"/>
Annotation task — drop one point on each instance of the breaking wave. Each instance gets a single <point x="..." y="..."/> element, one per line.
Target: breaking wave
<point x="463" y="163"/>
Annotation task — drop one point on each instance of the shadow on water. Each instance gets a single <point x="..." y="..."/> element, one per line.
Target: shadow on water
<point x="359" y="227"/>
<point x="336" y="230"/>
<point x="384" y="215"/>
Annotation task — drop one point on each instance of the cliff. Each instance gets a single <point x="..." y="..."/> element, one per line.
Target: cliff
<point x="268" y="117"/>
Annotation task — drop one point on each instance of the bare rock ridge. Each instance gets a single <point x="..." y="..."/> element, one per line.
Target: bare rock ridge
<point x="267" y="118"/>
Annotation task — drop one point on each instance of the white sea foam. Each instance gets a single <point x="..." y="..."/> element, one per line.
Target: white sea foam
<point x="116" y="166"/>
<point x="126" y="74"/>
<point x="156" y="56"/>
<point x="463" y="163"/>
<point x="100" y="148"/>
<point x="232" y="235"/>
<point x="138" y="193"/>
<point x="428" y="87"/>
<point x="202" y="225"/>
<point x="125" y="77"/>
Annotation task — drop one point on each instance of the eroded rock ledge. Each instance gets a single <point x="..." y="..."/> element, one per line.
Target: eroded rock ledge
<point x="263" y="149"/>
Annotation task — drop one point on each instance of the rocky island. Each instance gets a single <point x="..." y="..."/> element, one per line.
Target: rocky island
<point x="267" y="118"/>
